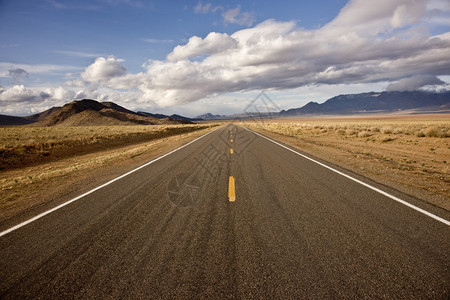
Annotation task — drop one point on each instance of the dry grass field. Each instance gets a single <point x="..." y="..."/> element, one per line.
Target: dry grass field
<point x="24" y="146"/>
<point x="42" y="165"/>
<point x="410" y="153"/>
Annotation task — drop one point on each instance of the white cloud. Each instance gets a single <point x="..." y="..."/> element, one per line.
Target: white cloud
<point x="213" y="43"/>
<point x="364" y="44"/>
<point x="280" y="56"/>
<point x="20" y="100"/>
<point x="235" y="16"/>
<point x="104" y="69"/>
<point x="363" y="18"/>
<point x="19" y="93"/>
<point x="415" y="83"/>
<point x="408" y="14"/>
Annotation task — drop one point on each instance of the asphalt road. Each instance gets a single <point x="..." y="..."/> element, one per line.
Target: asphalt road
<point x="173" y="230"/>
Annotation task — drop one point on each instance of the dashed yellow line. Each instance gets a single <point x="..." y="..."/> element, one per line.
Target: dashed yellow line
<point x="231" y="151"/>
<point x="231" y="191"/>
<point x="231" y="140"/>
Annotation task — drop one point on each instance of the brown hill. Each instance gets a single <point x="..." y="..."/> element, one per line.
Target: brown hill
<point x="39" y="116"/>
<point x="91" y="113"/>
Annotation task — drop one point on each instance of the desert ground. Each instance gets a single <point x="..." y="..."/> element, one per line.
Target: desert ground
<point x="409" y="153"/>
<point x="44" y="166"/>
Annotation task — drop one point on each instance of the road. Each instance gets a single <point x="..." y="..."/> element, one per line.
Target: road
<point x="178" y="228"/>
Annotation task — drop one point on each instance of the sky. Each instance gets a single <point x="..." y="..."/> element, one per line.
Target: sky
<point x="196" y="57"/>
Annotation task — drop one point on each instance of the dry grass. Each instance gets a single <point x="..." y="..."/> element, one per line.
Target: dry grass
<point x="48" y="137"/>
<point x="24" y="146"/>
<point x="407" y="153"/>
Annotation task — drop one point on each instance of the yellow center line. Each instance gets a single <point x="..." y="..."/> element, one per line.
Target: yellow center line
<point x="231" y="192"/>
<point x="231" y="140"/>
<point x="231" y="151"/>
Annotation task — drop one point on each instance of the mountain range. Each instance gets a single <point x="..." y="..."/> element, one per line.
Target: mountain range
<point x="374" y="102"/>
<point x="209" y="116"/>
<point x="90" y="112"/>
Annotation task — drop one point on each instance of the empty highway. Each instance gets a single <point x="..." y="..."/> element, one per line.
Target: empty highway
<point x="232" y="215"/>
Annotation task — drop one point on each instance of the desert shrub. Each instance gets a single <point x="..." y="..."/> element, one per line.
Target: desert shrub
<point x="432" y="132"/>
<point x="437" y="132"/>
<point x="364" y="134"/>
<point x="420" y="134"/>
<point x="387" y="130"/>
<point x="350" y="132"/>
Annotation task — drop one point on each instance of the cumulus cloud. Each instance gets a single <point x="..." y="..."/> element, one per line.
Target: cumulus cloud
<point x="21" y="94"/>
<point x="387" y="15"/>
<point x="20" y="100"/>
<point x="415" y="83"/>
<point x="213" y="43"/>
<point x="364" y="44"/>
<point x="104" y="69"/>
<point x="279" y="55"/>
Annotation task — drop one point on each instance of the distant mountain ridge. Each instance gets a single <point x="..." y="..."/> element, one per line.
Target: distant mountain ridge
<point x="210" y="116"/>
<point x="372" y="102"/>
<point x="88" y="112"/>
<point x="173" y="117"/>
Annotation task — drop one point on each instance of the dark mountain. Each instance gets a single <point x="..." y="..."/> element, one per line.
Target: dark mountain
<point x="178" y="117"/>
<point x="210" y="116"/>
<point x="12" y="120"/>
<point x="171" y="117"/>
<point x="372" y="102"/>
<point x="147" y="114"/>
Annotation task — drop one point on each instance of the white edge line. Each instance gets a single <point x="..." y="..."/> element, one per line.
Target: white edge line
<point x="360" y="182"/>
<point x="97" y="188"/>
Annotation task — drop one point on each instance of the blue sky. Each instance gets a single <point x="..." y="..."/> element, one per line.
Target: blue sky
<point x="193" y="57"/>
